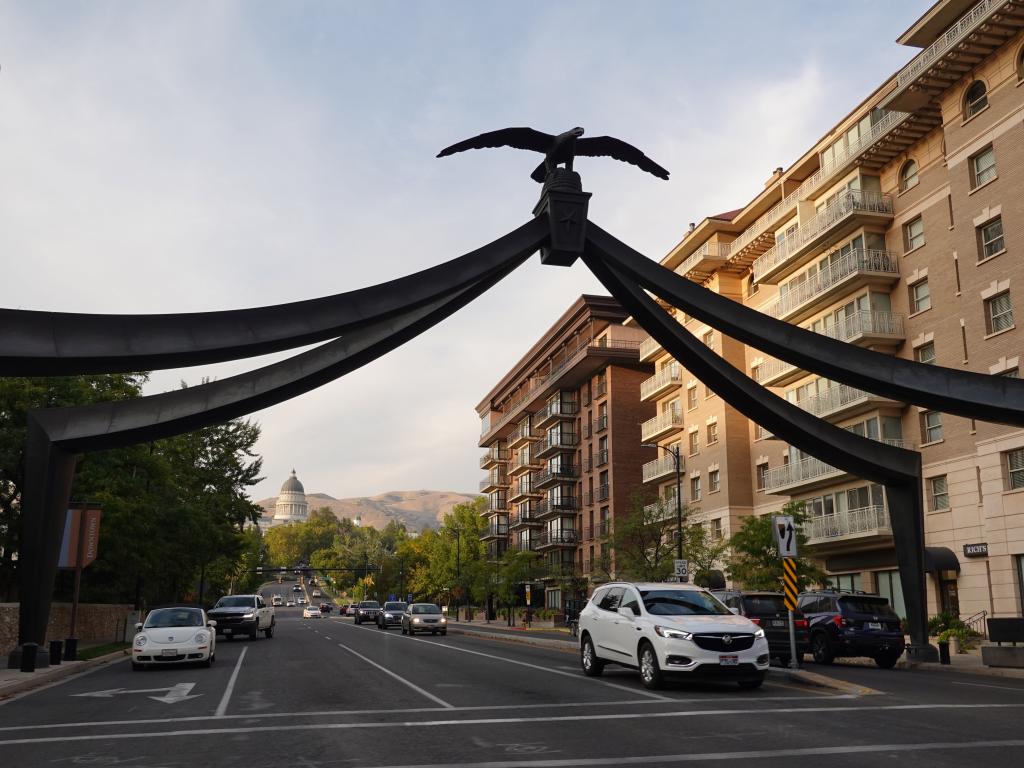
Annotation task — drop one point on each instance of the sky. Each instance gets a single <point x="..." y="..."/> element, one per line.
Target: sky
<point x="190" y="156"/>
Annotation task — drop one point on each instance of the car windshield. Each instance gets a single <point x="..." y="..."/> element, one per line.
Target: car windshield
<point x="425" y="609"/>
<point x="369" y="604"/>
<point x="757" y="604"/>
<point x="235" y="601"/>
<point x="165" y="618"/>
<point x="394" y="606"/>
<point x="681" y="602"/>
<point x="876" y="606"/>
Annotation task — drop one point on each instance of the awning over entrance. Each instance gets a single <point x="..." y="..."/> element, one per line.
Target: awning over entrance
<point x="940" y="559"/>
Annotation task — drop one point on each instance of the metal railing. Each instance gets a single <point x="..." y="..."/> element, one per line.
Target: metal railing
<point x="556" y="408"/>
<point x="496" y="529"/>
<point x="557" y="538"/>
<point x="648" y="347"/>
<point x="560" y="440"/>
<point x="706" y="251"/>
<point x="664" y="465"/>
<point x="493" y="455"/>
<point x="565" y="472"/>
<point x="863" y="520"/>
<point x="920" y="63"/>
<point x="670" y="374"/>
<point x="977" y="623"/>
<point x="494" y="481"/>
<point x="600" y="423"/>
<point x="854" y="262"/>
<point x="810" y="469"/>
<point x="835" y="397"/>
<point x="660" y="423"/>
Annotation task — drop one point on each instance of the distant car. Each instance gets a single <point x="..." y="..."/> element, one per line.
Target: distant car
<point x="367" y="610"/>
<point x="325" y="607"/>
<point x="296" y="588"/>
<point x="277" y="601"/>
<point x="423" y="617"/>
<point x="316" y="593"/>
<point x="243" y="615"/>
<point x="350" y="609"/>
<point x="174" y="636"/>
<point x="852" y="624"/>
<point x="391" y="614"/>
<point x="311" y="612"/>
<point x="768" y="611"/>
<point x="290" y="604"/>
<point x="301" y="600"/>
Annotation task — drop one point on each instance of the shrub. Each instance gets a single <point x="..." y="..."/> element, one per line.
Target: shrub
<point x="943" y="621"/>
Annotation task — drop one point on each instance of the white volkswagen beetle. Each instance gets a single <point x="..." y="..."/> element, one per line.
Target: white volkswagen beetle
<point x="174" y="635"/>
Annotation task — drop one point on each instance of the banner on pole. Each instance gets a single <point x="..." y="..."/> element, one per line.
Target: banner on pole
<point x="81" y="534"/>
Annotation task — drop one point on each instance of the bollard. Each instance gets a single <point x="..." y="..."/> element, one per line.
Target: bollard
<point x="71" y="649"/>
<point x="28" y="657"/>
<point x="943" y="653"/>
<point x="55" y="651"/>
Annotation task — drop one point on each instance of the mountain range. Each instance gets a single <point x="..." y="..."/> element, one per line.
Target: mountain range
<point x="417" y="509"/>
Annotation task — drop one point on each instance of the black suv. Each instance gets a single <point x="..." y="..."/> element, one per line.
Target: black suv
<point x="852" y="624"/>
<point x="367" y="610"/>
<point x="391" y="614"/>
<point x="768" y="611"/>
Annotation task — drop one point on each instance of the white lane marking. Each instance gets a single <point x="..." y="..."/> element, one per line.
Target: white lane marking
<point x="460" y="723"/>
<point x="172" y="693"/>
<point x="327" y="637"/>
<point x="223" y="706"/>
<point x="549" y="670"/>
<point x="403" y="711"/>
<point x="399" y="678"/>
<point x="988" y="685"/>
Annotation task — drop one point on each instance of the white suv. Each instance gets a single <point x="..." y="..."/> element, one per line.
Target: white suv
<point x="664" y="629"/>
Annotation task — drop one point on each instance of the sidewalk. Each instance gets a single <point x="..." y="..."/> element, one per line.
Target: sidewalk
<point x="970" y="663"/>
<point x="14" y="681"/>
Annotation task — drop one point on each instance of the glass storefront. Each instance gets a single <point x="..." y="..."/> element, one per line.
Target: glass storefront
<point x="891" y="588"/>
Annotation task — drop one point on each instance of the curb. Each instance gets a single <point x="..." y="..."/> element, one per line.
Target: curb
<point x="58" y="674"/>
<point x="814" y="680"/>
<point x="539" y="642"/>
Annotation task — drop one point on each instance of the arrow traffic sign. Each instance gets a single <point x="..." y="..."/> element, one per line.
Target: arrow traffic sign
<point x="785" y="535"/>
<point x="172" y="694"/>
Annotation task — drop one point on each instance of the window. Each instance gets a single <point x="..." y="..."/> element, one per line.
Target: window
<point x="925" y="353"/>
<point x="931" y="426"/>
<point x="998" y="313"/>
<point x="990" y="238"/>
<point x="695" y="488"/>
<point x="920" y="296"/>
<point x="712" y="432"/>
<point x="1015" y="468"/>
<point x="714" y="481"/>
<point x="983" y="167"/>
<point x="694" y="442"/>
<point x="913" y="234"/>
<point x="938" y="493"/>
<point x="691" y="397"/>
<point x="908" y="175"/>
<point x="976" y="99"/>
<point x="716" y="529"/>
<point x="762" y="476"/>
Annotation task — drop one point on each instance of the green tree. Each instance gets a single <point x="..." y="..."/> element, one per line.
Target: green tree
<point x="643" y="540"/>
<point x="515" y="568"/>
<point x="755" y="562"/>
<point x="703" y="553"/>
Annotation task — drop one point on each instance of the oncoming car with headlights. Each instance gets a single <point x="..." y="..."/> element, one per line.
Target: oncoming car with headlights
<point x="174" y="635"/>
<point x="391" y="613"/>
<point x="670" y="629"/>
<point x="423" y="617"/>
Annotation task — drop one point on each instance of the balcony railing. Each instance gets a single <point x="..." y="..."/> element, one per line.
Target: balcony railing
<point x="660" y="424"/>
<point x="599" y="530"/>
<point x="493" y="456"/>
<point x="852" y="522"/>
<point x="665" y="465"/>
<point x="848" y="203"/>
<point x="649" y="348"/>
<point x="560" y="441"/>
<point x="524" y="517"/>
<point x="523" y="546"/>
<point x="669" y="376"/>
<point x="708" y="252"/>
<point x="495" y="529"/>
<point x="854" y="263"/>
<point x="493" y="482"/>
<point x="556" y="409"/>
<point x="497" y="505"/>
<point x="600" y="423"/>
<point x="549" y="476"/>
<point x="809" y="470"/>
<point x="557" y="538"/>
<point x="569" y="503"/>
<point x="834" y="398"/>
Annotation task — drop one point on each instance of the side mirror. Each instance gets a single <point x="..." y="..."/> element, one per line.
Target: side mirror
<point x="625" y="610"/>
<point x="211" y="623"/>
<point x="735" y="611"/>
<point x="138" y="626"/>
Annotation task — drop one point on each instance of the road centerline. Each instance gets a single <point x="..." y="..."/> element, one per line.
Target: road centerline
<point x="226" y="698"/>
<point x="399" y="678"/>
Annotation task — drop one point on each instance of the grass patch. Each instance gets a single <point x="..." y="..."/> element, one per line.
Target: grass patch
<point x="84" y="654"/>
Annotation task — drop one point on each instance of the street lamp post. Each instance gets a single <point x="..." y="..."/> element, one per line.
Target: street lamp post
<point x="674" y="453"/>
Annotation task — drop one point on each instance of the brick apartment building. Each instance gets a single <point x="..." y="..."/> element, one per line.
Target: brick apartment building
<point x="902" y="231"/>
<point x="562" y="433"/>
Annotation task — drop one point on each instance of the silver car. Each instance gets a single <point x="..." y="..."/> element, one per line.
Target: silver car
<point x="423" y="617"/>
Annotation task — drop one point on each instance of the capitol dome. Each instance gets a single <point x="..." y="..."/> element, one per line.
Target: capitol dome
<point x="291" y="504"/>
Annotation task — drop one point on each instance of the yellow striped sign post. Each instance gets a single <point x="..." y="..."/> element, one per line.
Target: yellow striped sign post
<point x="789" y="583"/>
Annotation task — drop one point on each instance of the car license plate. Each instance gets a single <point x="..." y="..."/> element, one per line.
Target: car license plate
<point x="778" y="622"/>
<point x="729" y="661"/>
<point x="169" y="652"/>
<point x="874" y="625"/>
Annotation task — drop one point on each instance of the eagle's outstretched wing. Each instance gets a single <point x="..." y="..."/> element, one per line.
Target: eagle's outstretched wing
<point x="609" y="146"/>
<point x="519" y="138"/>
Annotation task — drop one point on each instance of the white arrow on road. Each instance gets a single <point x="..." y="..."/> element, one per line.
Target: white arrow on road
<point x="172" y="694"/>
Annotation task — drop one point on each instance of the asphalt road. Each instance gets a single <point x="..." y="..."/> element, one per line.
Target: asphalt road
<point x="324" y="692"/>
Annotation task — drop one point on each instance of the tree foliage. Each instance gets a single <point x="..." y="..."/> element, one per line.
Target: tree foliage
<point x="644" y="539"/>
<point x="755" y="562"/>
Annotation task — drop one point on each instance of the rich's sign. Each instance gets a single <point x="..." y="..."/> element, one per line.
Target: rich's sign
<point x="976" y="550"/>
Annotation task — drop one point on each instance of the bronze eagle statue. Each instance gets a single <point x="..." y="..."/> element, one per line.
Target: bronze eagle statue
<point x="562" y="148"/>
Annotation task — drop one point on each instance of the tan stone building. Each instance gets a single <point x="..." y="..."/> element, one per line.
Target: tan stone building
<point x="562" y="433"/>
<point x="902" y="231"/>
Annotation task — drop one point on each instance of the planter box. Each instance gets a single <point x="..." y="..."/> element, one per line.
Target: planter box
<point x="1003" y="656"/>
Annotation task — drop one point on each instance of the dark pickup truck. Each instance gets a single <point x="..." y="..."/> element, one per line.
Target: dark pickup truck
<point x="367" y="611"/>
<point x="243" y="615"/>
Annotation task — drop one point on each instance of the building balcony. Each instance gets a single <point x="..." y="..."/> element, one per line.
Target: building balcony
<point x="520" y="436"/>
<point x="523" y="546"/>
<point x="493" y="457"/>
<point x="496" y="529"/>
<point x="520" y="465"/>
<point x="554" y="410"/>
<point x="554" y="539"/>
<point x="663" y="466"/>
<point x="843" y="401"/>
<point x="810" y="473"/>
<point x="650" y="349"/>
<point x="599" y="530"/>
<point x="704" y="261"/>
<point x="667" y="379"/>
<point x="523" y="518"/>
<point x="844" y="275"/>
<point x="865" y="524"/>
<point x="547" y="478"/>
<point x="661" y="426"/>
<point x="600" y="424"/>
<point x="522" y="491"/>
<point x="863" y="328"/>
<point x="493" y="482"/>
<point x="850" y="210"/>
<point x="552" y="444"/>
<point x="495" y="506"/>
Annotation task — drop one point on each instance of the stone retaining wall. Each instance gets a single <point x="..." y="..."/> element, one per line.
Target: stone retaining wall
<point x="97" y="623"/>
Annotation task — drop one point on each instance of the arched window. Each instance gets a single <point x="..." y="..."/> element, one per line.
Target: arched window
<point x="976" y="99"/>
<point x="908" y="175"/>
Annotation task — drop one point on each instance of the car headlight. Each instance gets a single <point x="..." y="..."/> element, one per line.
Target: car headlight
<point x="249" y="615"/>
<point x="444" y="620"/>
<point x="140" y="640"/>
<point x="415" y="621"/>
<point x="388" y="616"/>
<point x="759" y="633"/>
<point x="670" y="632"/>
<point x="201" y="638"/>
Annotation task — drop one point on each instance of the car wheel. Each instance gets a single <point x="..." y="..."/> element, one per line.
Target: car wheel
<point x="784" y="661"/>
<point x="209" y="662"/>
<point x="592" y="666"/>
<point x="255" y="633"/>
<point x="749" y="685"/>
<point x="650" y="672"/>
<point x="887" y="660"/>
<point x="821" y="650"/>
<point x="357" y="620"/>
<point x="403" y="629"/>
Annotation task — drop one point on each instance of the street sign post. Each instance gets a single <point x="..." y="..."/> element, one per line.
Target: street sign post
<point x="789" y="582"/>
<point x="785" y="535"/>
<point x="680" y="569"/>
